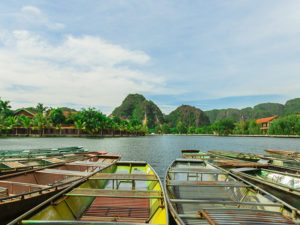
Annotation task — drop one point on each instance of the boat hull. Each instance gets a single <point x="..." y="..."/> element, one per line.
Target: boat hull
<point x="284" y="194"/>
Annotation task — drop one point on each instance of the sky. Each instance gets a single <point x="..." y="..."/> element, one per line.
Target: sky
<point x="92" y="53"/>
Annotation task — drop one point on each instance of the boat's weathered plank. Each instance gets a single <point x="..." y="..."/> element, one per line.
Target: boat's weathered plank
<point x="206" y="183"/>
<point x="24" y="184"/>
<point x="88" y="163"/>
<point x="192" y="201"/>
<point x="64" y="172"/>
<point x="116" y="176"/>
<point x="13" y="164"/>
<point x="57" y="222"/>
<point x="88" y="192"/>
<point x="195" y="170"/>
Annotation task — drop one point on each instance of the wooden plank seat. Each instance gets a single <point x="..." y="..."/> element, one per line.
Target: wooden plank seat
<point x="64" y="172"/>
<point x="24" y="184"/>
<point x="88" y="163"/>
<point x="120" y="176"/>
<point x="195" y="170"/>
<point x="53" y="160"/>
<point x="248" y="216"/>
<point x="90" y="192"/>
<point x="205" y="183"/>
<point x="193" y="201"/>
<point x="14" y="164"/>
<point x="76" y="222"/>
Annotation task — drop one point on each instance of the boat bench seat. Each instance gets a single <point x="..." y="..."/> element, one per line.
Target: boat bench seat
<point x="53" y="160"/>
<point x="205" y="183"/>
<point x="88" y="163"/>
<point x="64" y="172"/>
<point x="196" y="170"/>
<point x="23" y="184"/>
<point x="14" y="164"/>
<point x="119" y="176"/>
<point x="89" y="192"/>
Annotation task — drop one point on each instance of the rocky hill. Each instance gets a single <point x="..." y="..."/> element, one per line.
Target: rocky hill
<point x="258" y="111"/>
<point x="188" y="115"/>
<point x="136" y="106"/>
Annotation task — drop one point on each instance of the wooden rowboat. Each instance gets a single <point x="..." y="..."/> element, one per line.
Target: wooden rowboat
<point x="197" y="154"/>
<point x="123" y="193"/>
<point x="282" y="182"/>
<point x="33" y="153"/>
<point x="21" y="191"/>
<point x="283" y="153"/>
<point x="258" y="158"/>
<point x="13" y="165"/>
<point x="199" y="193"/>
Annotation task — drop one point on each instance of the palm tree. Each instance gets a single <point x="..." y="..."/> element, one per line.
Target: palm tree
<point x="79" y="125"/>
<point x="41" y="122"/>
<point x="26" y="123"/>
<point x="41" y="108"/>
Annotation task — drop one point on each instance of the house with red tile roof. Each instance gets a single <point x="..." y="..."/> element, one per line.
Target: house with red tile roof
<point x="265" y="123"/>
<point x="25" y="112"/>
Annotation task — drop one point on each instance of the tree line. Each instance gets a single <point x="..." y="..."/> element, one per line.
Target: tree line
<point x="287" y="125"/>
<point x="86" y="121"/>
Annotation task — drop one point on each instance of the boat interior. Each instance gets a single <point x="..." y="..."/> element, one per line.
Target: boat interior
<point x="45" y="178"/>
<point x="289" y="180"/>
<point x="200" y="193"/>
<point x="125" y="192"/>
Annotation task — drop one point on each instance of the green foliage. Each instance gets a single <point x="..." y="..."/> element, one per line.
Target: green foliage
<point x="259" y="111"/>
<point x="56" y="116"/>
<point x="288" y="125"/>
<point x="292" y="106"/>
<point x="165" y="128"/>
<point x="191" y="130"/>
<point x="5" y="108"/>
<point x="189" y="116"/>
<point x="181" y="128"/>
<point x="224" y="126"/>
<point x="135" y="106"/>
<point x="40" y="108"/>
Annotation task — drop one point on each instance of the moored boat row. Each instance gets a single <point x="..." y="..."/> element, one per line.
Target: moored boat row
<point x="199" y="192"/>
<point x="201" y="188"/>
<point x="23" y="190"/>
<point x="123" y="193"/>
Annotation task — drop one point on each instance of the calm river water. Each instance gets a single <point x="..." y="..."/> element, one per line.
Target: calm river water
<point x="159" y="151"/>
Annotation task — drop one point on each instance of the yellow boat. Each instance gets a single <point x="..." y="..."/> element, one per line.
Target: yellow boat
<point x="123" y="193"/>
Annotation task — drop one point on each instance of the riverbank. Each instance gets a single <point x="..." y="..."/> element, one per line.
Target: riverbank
<point x="235" y="135"/>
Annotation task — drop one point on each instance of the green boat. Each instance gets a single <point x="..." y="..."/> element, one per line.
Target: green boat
<point x="10" y="164"/>
<point x="283" y="154"/>
<point x="123" y="193"/>
<point x="21" y="191"/>
<point x="237" y="155"/>
<point x="197" y="154"/>
<point x="258" y="158"/>
<point x="283" y="182"/>
<point x="46" y="152"/>
<point x="198" y="192"/>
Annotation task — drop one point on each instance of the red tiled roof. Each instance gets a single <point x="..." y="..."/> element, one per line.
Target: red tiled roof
<point x="265" y="120"/>
<point x="68" y="113"/>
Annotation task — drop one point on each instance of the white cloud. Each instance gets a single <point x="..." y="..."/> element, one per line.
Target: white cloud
<point x="31" y="9"/>
<point x="33" y="16"/>
<point x="86" y="71"/>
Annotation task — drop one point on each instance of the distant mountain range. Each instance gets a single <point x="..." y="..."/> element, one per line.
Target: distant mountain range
<point x="138" y="107"/>
<point x="258" y="111"/>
